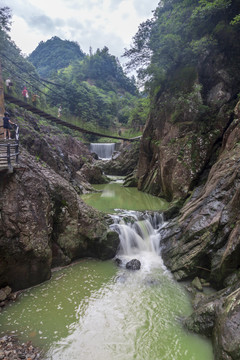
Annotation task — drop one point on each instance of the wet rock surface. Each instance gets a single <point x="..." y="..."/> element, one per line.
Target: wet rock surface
<point x="43" y="221"/>
<point x="12" y="349"/>
<point x="63" y="153"/>
<point x="182" y="136"/>
<point x="93" y="174"/>
<point x="218" y="317"/>
<point x="133" y="264"/>
<point x="203" y="242"/>
<point x="124" y="163"/>
<point x="6" y="296"/>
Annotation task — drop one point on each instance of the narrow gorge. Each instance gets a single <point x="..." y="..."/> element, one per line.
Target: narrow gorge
<point x="132" y="246"/>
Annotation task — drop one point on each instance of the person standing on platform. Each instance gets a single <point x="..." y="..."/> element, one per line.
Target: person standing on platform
<point x="7" y="126"/>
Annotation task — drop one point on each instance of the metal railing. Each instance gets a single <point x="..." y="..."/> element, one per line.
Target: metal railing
<point x="9" y="152"/>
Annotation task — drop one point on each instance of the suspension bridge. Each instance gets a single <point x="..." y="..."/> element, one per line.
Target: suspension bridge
<point x="9" y="150"/>
<point x="58" y="121"/>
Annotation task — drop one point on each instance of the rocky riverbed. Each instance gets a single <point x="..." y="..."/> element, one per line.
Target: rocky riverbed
<point x="12" y="349"/>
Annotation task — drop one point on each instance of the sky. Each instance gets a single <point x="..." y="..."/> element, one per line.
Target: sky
<point x="91" y="23"/>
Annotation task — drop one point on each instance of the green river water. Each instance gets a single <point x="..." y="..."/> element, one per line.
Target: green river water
<point x="94" y="310"/>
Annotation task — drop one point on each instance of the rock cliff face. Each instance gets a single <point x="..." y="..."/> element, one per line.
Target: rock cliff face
<point x="43" y="221"/>
<point x="63" y="153"/>
<point x="204" y="241"/>
<point x="207" y="231"/>
<point x="190" y="153"/>
<point x="183" y="132"/>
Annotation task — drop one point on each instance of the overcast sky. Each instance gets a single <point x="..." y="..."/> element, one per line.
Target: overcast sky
<point x="95" y="23"/>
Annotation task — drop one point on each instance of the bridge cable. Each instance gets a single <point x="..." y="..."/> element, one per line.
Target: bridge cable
<point x="34" y="78"/>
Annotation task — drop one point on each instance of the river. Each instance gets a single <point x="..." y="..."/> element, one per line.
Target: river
<point x="95" y="310"/>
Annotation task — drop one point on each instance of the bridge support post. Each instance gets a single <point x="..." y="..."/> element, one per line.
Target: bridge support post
<point x="1" y="102"/>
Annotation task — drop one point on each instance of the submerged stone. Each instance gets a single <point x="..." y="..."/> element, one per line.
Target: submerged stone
<point x="118" y="261"/>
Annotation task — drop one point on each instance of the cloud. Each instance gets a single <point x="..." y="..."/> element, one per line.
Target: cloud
<point x="114" y="4"/>
<point x="144" y="7"/>
<point x="95" y="23"/>
<point x="41" y="23"/>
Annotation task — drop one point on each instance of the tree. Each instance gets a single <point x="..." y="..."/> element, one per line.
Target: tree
<point x="54" y="54"/>
<point x="179" y="32"/>
<point x="5" y="18"/>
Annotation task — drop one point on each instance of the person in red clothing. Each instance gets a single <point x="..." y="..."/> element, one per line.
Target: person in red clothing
<point x="25" y="93"/>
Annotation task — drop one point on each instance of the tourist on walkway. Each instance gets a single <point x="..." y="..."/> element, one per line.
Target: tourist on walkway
<point x="59" y="111"/>
<point x="34" y="99"/>
<point x="25" y="94"/>
<point x="9" y="84"/>
<point x="7" y="126"/>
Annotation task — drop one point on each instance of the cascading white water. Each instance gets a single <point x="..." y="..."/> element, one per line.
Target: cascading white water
<point x="139" y="237"/>
<point x="103" y="150"/>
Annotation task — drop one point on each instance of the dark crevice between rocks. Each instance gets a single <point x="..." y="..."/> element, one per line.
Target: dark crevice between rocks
<point x="58" y="255"/>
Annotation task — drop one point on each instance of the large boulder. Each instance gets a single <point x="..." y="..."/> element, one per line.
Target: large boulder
<point x="133" y="264"/>
<point x="93" y="174"/>
<point x="44" y="223"/>
<point x="218" y="317"/>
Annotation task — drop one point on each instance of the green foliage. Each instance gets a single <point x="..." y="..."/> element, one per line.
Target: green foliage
<point x="95" y="89"/>
<point x="236" y="20"/>
<point x="179" y="33"/>
<point x="207" y="9"/>
<point x="139" y="114"/>
<point x="54" y="54"/>
<point x="14" y="65"/>
<point x="201" y="46"/>
<point x="5" y="18"/>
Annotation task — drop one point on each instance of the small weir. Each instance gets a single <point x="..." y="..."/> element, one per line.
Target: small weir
<point x="103" y="150"/>
<point x="100" y="311"/>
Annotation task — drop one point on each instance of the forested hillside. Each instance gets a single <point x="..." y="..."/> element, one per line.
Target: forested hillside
<point x="54" y="54"/>
<point x="168" y="48"/>
<point x="93" y="88"/>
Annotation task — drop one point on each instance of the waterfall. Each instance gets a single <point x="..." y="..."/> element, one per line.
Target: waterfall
<point x="139" y="235"/>
<point x="103" y="150"/>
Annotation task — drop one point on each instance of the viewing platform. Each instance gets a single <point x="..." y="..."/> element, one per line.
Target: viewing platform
<point x="9" y="155"/>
